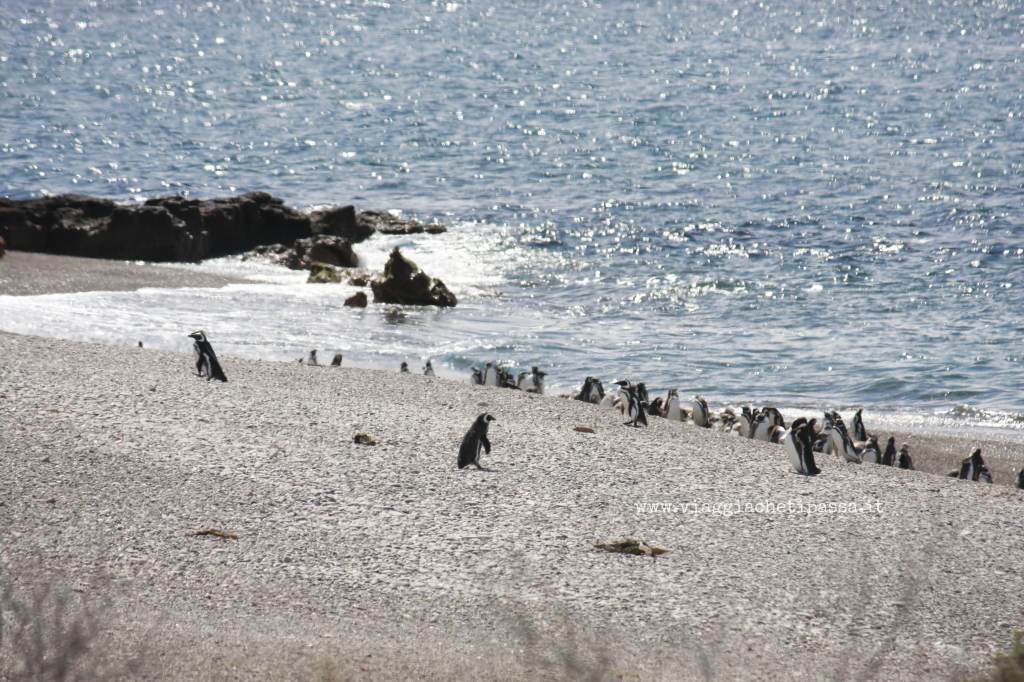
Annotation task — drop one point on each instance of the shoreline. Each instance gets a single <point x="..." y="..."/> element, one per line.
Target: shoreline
<point x="361" y="557"/>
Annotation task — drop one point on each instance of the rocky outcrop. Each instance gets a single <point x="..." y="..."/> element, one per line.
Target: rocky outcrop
<point x="340" y="222"/>
<point x="175" y="228"/>
<point x="304" y="254"/>
<point x="357" y="300"/>
<point x="385" y="223"/>
<point x="403" y="282"/>
<point x="163" y="229"/>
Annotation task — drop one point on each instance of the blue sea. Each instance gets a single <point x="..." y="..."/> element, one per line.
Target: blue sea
<point x="805" y="203"/>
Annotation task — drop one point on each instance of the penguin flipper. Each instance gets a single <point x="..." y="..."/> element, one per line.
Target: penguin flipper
<point x="486" y="443"/>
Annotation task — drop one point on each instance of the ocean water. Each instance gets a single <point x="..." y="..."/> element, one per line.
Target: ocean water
<point x="805" y="203"/>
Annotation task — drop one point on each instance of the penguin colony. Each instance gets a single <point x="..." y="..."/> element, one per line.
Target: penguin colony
<point x="802" y="439"/>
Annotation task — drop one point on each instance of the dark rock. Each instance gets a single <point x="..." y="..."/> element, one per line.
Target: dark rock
<point x="361" y="279"/>
<point x="385" y="223"/>
<point x="304" y="254"/>
<point x="341" y="222"/>
<point x="322" y="273"/>
<point x="357" y="300"/>
<point x="403" y="282"/>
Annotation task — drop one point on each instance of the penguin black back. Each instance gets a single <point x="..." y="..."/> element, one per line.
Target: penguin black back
<point x="474" y="441"/>
<point x="206" y="360"/>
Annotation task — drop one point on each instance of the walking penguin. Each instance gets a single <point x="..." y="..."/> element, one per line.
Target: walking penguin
<point x="474" y="441"/>
<point x="206" y="360"/>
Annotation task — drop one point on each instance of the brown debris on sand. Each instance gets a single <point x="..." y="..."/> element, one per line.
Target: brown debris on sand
<point x="217" y="533"/>
<point x="629" y="546"/>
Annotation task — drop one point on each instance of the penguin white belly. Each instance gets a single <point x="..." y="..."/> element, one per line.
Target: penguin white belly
<point x="793" y="450"/>
<point x="673" y="412"/>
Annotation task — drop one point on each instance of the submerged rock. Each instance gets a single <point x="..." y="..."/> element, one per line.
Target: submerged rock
<point x="357" y="300"/>
<point x="404" y="283"/>
<point x="322" y="273"/>
<point x="305" y="254"/>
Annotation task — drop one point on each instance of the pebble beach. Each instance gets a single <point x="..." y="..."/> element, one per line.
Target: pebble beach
<point x="236" y="531"/>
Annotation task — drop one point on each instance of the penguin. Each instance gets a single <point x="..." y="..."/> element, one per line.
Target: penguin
<point x="745" y="423"/>
<point x="762" y="425"/>
<point x="311" y="360"/>
<point x="889" y="456"/>
<point x="336" y="361"/>
<point x="477" y="377"/>
<point x="839" y="441"/>
<point x="671" y="409"/>
<point x="403" y="368"/>
<point x="701" y="414"/>
<point x="654" y="407"/>
<point x="532" y="381"/>
<point x="774" y="417"/>
<point x="592" y="391"/>
<point x="797" y="442"/>
<point x="1020" y="479"/>
<point x="641" y="391"/>
<point x="904" y="461"/>
<point x="871" y="454"/>
<point x="506" y="379"/>
<point x="984" y="476"/>
<point x="970" y="467"/>
<point x="206" y="360"/>
<point x="634" y="408"/>
<point x="140" y="344"/>
<point x="859" y="433"/>
<point x="490" y="375"/>
<point x="474" y="441"/>
<point x="428" y="369"/>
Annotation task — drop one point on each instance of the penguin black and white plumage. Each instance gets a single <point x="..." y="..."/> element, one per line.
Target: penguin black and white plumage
<point x="774" y="417"/>
<point x="840" y="443"/>
<point x="654" y="407"/>
<point x="634" y="408"/>
<point x="1020" y="479"/>
<point x="970" y="467"/>
<point x="403" y="368"/>
<point x="889" y="456"/>
<point x="477" y="377"/>
<point x="532" y="381"/>
<point x="428" y="369"/>
<point x="984" y="476"/>
<point x="871" y="453"/>
<point x="490" y="375"/>
<point x="700" y="413"/>
<point x="797" y="442"/>
<point x="859" y="432"/>
<point x="745" y="422"/>
<point x="336" y="361"/>
<point x="206" y="360"/>
<point x="475" y="441"/>
<point x="671" y="409"/>
<point x="311" y="360"/>
<point x="903" y="460"/>
<point x="592" y="391"/>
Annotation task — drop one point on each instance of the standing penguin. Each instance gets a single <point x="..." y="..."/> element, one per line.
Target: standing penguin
<point x="336" y="362"/>
<point x="311" y="360"/>
<point x="671" y="410"/>
<point x="490" y="375"/>
<point x="701" y="414"/>
<point x="904" y="461"/>
<point x="1020" y="479"/>
<point x="871" y="454"/>
<point x="798" y="444"/>
<point x="889" y="456"/>
<point x="634" y="408"/>
<point x="474" y="441"/>
<point x="206" y="360"/>
<point x="428" y="369"/>
<point x="859" y="432"/>
<point x="970" y="467"/>
<point x="532" y="382"/>
<point x="477" y="378"/>
<point x="403" y="368"/>
<point x="592" y="391"/>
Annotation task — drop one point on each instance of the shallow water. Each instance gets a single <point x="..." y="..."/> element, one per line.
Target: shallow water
<point x="804" y="203"/>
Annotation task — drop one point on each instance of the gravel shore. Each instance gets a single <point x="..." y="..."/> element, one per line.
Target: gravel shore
<point x="23" y="273"/>
<point x="386" y="562"/>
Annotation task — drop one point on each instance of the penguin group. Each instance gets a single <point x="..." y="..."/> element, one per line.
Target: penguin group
<point x="493" y="374"/>
<point x="312" y="361"/>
